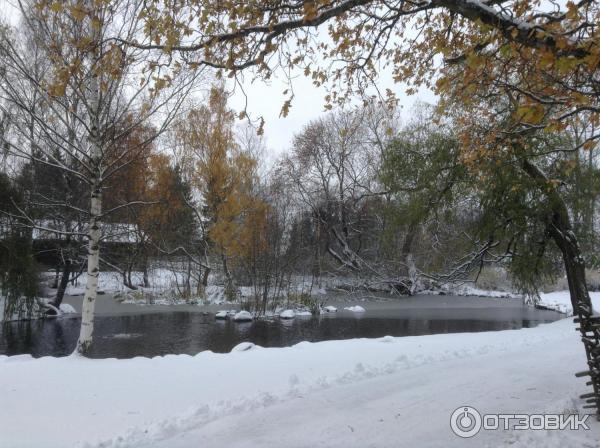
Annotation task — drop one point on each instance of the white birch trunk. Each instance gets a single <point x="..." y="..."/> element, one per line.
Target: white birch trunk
<point x="93" y="270"/>
<point x="93" y="259"/>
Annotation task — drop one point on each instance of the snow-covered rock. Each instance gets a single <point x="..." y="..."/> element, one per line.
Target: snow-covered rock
<point x="330" y="309"/>
<point x="355" y="309"/>
<point x="221" y="315"/>
<point x="303" y="313"/>
<point x="287" y="314"/>
<point x="243" y="316"/>
<point x="65" y="308"/>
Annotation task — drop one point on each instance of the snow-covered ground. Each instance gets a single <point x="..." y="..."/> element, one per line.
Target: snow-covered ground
<point x="560" y="301"/>
<point x="557" y="300"/>
<point x="386" y="392"/>
<point x="166" y="287"/>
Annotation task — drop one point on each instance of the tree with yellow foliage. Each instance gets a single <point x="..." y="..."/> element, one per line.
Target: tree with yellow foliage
<point x="509" y="69"/>
<point x="224" y="176"/>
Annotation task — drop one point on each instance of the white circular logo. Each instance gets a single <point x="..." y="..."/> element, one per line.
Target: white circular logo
<point x="465" y="421"/>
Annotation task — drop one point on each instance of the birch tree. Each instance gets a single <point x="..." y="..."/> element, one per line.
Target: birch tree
<point x="94" y="93"/>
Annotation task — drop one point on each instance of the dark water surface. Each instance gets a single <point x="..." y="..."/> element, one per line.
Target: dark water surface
<point x="154" y="334"/>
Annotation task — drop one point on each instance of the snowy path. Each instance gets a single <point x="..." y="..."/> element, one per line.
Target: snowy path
<point x="410" y="408"/>
<point x="383" y="392"/>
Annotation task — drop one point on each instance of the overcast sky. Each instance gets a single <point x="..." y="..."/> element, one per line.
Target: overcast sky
<point x="266" y="99"/>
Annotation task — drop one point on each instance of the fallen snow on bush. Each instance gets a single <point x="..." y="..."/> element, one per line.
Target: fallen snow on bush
<point x="387" y="392"/>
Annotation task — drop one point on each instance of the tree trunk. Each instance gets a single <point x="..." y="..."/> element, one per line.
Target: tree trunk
<point x="93" y="270"/>
<point x="188" y="281"/>
<point x="64" y="281"/>
<point x="93" y="257"/>
<point x="205" y="277"/>
<point x="411" y="272"/>
<point x="56" y="278"/>
<point x="230" y="291"/>
<point x="145" y="272"/>
<point x="561" y="231"/>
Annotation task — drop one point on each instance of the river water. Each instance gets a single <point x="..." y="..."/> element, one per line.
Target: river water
<point x="162" y="332"/>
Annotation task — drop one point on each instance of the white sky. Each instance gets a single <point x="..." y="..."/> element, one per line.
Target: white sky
<point x="266" y="99"/>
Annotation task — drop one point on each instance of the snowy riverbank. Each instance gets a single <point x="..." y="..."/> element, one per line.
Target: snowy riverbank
<point x="356" y="393"/>
<point x="163" y="293"/>
<point x="557" y="300"/>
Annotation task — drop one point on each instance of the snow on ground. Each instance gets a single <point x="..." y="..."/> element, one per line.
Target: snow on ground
<point x="166" y="288"/>
<point x="470" y="290"/>
<point x="557" y="300"/>
<point x="387" y="392"/>
<point x="561" y="301"/>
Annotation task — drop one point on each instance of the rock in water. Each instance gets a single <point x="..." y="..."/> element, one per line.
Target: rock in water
<point x="287" y="314"/>
<point x="221" y="315"/>
<point x="355" y="309"/>
<point x="243" y="316"/>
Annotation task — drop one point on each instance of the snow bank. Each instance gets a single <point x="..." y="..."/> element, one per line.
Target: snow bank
<point x="561" y="301"/>
<point x="385" y="392"/>
<point x="470" y="290"/>
<point x="558" y="300"/>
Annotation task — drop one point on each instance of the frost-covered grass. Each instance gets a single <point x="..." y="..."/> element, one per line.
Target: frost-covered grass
<point x="386" y="392"/>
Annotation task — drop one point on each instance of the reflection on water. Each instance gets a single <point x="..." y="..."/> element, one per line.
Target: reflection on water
<point x="183" y="332"/>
